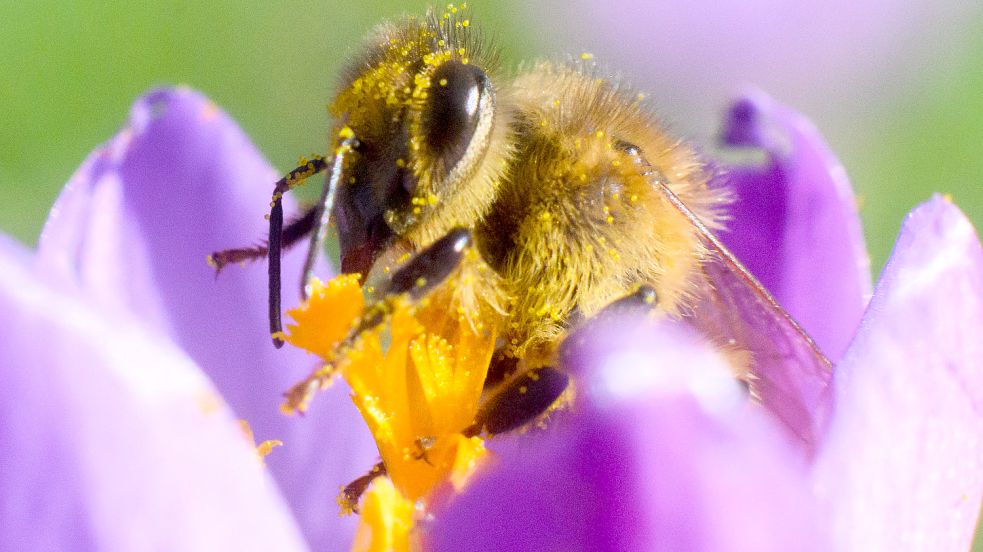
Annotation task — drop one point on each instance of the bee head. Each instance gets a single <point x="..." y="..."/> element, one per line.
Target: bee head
<point x="422" y="109"/>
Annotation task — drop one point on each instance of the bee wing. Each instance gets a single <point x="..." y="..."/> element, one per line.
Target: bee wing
<point x="788" y="372"/>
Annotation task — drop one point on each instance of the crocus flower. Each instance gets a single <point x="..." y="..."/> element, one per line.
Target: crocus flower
<point x="115" y="439"/>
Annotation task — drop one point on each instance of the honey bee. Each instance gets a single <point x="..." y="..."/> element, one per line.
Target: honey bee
<point x="562" y="184"/>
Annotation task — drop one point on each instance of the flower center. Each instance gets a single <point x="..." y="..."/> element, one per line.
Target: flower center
<point x="416" y="371"/>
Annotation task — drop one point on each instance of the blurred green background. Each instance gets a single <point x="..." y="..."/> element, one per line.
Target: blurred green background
<point x="71" y="69"/>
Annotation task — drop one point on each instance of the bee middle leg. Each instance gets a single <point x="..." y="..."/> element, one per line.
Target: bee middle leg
<point x="518" y="397"/>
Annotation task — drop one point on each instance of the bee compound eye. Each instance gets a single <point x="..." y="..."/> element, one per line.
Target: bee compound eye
<point x="454" y="109"/>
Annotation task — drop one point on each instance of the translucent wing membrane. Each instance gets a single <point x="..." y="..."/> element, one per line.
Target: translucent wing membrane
<point x="787" y="372"/>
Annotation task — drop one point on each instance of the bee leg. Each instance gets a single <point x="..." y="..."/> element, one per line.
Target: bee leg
<point x="279" y="237"/>
<point x="291" y="235"/>
<point x="520" y="400"/>
<point x="352" y="493"/>
<point x="274" y="245"/>
<point x="421" y="274"/>
<point x="430" y="267"/>
<point x="524" y="397"/>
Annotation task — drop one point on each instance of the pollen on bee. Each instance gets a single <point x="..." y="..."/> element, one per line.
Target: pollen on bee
<point x="586" y="56"/>
<point x="442" y="82"/>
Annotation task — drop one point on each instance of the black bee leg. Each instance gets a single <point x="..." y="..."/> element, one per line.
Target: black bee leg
<point x="274" y="245"/>
<point x="517" y="398"/>
<point x="431" y="266"/>
<point x="352" y="493"/>
<point x="279" y="237"/>
<point x="520" y="400"/>
<point x="291" y="235"/>
<point x="421" y="274"/>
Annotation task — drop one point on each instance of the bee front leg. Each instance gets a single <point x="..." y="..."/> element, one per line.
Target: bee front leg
<point x="291" y="235"/>
<point x="279" y="237"/>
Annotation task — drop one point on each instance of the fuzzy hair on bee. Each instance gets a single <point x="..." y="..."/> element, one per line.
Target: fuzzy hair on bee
<point x="542" y="195"/>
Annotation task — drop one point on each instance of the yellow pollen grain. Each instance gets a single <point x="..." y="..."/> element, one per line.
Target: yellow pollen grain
<point x="442" y="82"/>
<point x="586" y="55"/>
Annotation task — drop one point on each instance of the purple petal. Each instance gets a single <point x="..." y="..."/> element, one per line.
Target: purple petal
<point x="661" y="453"/>
<point x="113" y="439"/>
<point x="795" y="222"/>
<point x="902" y="466"/>
<point x="133" y="229"/>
